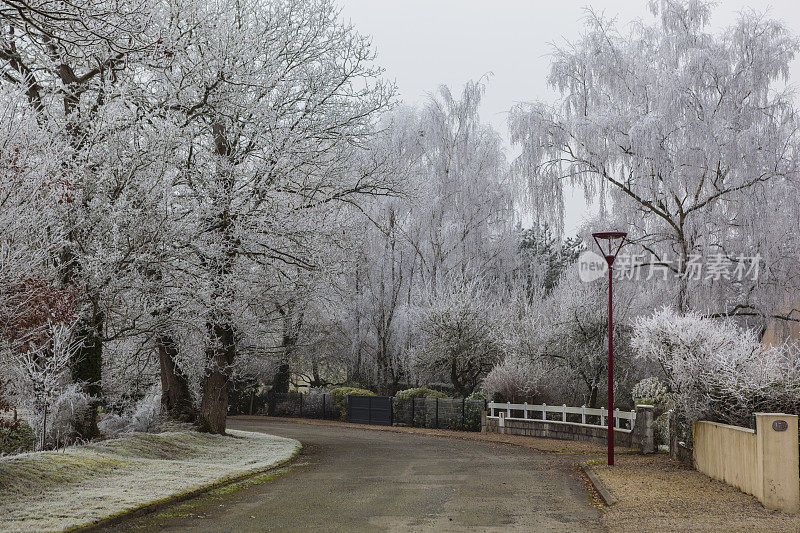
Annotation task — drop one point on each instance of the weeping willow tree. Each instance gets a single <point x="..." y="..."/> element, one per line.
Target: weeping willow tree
<point x="688" y="141"/>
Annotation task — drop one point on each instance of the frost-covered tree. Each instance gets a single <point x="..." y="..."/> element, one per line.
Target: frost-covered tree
<point x="569" y="329"/>
<point x="465" y="213"/>
<point x="40" y="377"/>
<point x="461" y="335"/>
<point x="689" y="135"/>
<point x="74" y="68"/>
<point x="515" y="379"/>
<point x="194" y="157"/>
<point x="452" y="224"/>
<point x="272" y="104"/>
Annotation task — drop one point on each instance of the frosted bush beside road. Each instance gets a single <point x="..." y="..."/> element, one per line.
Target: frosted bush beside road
<point x="717" y="370"/>
<point x="516" y="379"/>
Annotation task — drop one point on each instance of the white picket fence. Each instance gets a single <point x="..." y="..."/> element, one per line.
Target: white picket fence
<point x="629" y="417"/>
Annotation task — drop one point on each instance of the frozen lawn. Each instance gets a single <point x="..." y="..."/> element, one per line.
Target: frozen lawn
<point x="659" y="494"/>
<point x="60" y="490"/>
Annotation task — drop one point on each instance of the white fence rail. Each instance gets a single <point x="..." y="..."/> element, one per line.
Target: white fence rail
<point x="623" y="420"/>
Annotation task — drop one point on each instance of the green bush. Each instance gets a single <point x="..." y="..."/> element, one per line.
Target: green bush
<point x="21" y="439"/>
<point x="652" y="391"/>
<point x="446" y="388"/>
<point x="477" y="396"/>
<point x="419" y="392"/>
<point x="339" y="396"/>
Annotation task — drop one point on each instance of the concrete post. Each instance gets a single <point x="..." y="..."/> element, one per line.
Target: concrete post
<point x="777" y="451"/>
<point x="643" y="434"/>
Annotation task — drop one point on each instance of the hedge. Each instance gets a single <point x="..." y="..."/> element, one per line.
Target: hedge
<point x="419" y="392"/>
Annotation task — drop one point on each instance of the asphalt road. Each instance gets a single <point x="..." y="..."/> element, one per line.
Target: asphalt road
<point x="352" y="479"/>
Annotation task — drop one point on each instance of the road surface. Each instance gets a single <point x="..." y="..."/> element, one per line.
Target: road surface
<point x="353" y="479"/>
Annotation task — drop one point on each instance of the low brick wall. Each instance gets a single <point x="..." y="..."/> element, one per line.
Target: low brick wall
<point x="556" y="430"/>
<point x="640" y="437"/>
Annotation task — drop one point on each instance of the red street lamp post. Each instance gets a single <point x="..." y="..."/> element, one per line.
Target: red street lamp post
<point x="610" y="243"/>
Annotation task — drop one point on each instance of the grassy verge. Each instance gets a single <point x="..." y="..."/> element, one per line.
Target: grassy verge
<point x="659" y="494"/>
<point x="52" y="491"/>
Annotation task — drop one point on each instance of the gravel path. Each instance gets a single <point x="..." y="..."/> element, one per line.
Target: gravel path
<point x="658" y="494"/>
<point x="355" y="479"/>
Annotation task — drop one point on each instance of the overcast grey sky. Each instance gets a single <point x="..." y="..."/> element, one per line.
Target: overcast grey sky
<point x="424" y="43"/>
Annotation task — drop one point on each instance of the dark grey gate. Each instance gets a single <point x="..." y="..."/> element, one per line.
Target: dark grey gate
<point x="370" y="410"/>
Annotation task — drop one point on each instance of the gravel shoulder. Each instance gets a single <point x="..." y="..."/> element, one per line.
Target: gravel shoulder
<point x="656" y="493"/>
<point x="53" y="491"/>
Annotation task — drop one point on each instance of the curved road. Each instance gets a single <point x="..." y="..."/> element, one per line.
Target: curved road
<point x="352" y="479"/>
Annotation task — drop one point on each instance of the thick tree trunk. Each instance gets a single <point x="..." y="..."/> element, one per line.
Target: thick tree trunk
<point x="176" y="400"/>
<point x="280" y="383"/>
<point x="221" y="348"/>
<point x="461" y="388"/>
<point x="214" y="404"/>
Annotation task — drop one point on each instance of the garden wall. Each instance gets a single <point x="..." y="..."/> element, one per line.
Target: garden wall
<point x="762" y="462"/>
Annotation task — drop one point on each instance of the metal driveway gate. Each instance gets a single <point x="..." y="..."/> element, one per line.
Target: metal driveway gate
<point x="370" y="410"/>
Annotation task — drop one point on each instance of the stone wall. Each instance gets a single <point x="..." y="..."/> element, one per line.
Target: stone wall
<point x="640" y="437"/>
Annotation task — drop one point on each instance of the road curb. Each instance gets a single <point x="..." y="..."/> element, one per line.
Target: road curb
<point x="178" y="498"/>
<point x="601" y="489"/>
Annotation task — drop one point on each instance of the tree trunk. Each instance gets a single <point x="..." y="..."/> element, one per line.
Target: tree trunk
<point x="280" y="383"/>
<point x="461" y="387"/>
<point x="176" y="400"/>
<point x="214" y="405"/>
<point x="593" y="396"/>
<point x="87" y="368"/>
<point x="221" y="347"/>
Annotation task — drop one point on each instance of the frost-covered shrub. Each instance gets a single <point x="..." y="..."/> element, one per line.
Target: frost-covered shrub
<point x="112" y="424"/>
<point x="568" y="330"/>
<point x="419" y="392"/>
<point x="515" y="379"/>
<point x="143" y="416"/>
<point x="717" y="370"/>
<point x="460" y="335"/>
<point x="652" y="391"/>
<point x="147" y="415"/>
<point x="41" y="385"/>
<point x="59" y="422"/>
